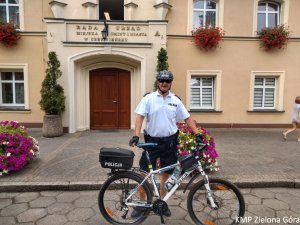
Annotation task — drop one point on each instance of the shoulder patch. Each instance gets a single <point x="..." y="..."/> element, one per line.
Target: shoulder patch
<point x="146" y="94"/>
<point x="178" y="97"/>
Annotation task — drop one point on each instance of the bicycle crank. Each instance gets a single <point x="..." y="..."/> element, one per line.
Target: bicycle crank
<point x="160" y="207"/>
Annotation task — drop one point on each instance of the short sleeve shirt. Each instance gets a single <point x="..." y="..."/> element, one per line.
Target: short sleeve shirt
<point x="161" y="113"/>
<point x="295" y="113"/>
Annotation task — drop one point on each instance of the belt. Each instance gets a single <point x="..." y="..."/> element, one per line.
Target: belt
<point x="163" y="139"/>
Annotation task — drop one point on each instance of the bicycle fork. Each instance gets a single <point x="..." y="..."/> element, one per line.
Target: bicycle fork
<point x="207" y="187"/>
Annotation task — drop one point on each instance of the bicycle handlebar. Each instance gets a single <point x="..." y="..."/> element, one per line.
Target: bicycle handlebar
<point x="145" y="145"/>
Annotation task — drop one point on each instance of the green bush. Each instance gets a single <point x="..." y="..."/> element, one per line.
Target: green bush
<point x="53" y="99"/>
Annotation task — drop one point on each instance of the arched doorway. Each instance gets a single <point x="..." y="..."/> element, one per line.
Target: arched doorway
<point x="109" y="99"/>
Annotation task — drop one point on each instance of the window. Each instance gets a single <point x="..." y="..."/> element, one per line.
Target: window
<point x="268" y="15"/>
<point x="12" y="89"/>
<point x="9" y="11"/>
<point x="115" y="8"/>
<point x="204" y="13"/>
<point x="267" y="90"/>
<point x="264" y="93"/>
<point x="202" y="92"/>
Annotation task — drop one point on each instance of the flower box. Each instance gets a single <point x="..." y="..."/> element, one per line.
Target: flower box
<point x="274" y="37"/>
<point x="207" y="38"/>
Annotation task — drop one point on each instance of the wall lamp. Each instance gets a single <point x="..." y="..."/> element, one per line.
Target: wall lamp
<point x="104" y="32"/>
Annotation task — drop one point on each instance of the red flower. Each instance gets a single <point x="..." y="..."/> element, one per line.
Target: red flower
<point x="208" y="38"/>
<point x="8" y="34"/>
<point x="274" y="37"/>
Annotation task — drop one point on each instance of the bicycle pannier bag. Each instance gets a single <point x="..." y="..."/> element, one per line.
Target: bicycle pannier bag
<point x="188" y="162"/>
<point x="116" y="158"/>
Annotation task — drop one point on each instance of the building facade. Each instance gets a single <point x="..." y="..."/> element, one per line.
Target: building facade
<point x="104" y="78"/>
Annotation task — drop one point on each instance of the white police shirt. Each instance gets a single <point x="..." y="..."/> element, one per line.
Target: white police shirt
<point x="161" y="113"/>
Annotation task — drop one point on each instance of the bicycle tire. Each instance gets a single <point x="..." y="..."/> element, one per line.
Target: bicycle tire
<point x="112" y="195"/>
<point x="226" y="195"/>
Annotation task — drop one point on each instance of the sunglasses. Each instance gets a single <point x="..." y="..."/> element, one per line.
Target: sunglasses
<point x="164" y="81"/>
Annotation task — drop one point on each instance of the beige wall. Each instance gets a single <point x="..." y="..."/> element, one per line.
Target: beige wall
<point x="235" y="61"/>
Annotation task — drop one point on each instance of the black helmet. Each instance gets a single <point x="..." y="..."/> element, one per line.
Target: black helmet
<point x="164" y="75"/>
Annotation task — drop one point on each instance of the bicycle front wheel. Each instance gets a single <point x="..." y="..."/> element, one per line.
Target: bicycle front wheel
<point x="115" y="190"/>
<point x="227" y="197"/>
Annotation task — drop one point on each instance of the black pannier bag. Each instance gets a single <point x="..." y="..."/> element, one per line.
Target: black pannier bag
<point x="116" y="158"/>
<point x="188" y="162"/>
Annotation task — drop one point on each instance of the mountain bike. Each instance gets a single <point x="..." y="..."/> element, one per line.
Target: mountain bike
<point x="210" y="201"/>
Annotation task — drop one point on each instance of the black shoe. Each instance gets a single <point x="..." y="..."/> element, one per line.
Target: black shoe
<point x="137" y="212"/>
<point x="167" y="213"/>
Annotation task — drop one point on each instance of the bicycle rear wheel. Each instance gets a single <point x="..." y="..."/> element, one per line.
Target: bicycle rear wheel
<point x="229" y="200"/>
<point x="115" y="190"/>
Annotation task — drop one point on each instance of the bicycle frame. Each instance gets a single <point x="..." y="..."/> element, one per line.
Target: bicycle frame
<point x="152" y="177"/>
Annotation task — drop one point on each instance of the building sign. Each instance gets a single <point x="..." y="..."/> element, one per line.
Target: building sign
<point x="117" y="33"/>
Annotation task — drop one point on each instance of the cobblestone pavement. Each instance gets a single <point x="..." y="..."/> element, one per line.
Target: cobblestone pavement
<point x="263" y="206"/>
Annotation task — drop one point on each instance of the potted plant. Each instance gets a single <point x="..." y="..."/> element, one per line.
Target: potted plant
<point x="52" y="99"/>
<point x="8" y="34"/>
<point x="274" y="37"/>
<point x="207" y="38"/>
<point x="162" y="63"/>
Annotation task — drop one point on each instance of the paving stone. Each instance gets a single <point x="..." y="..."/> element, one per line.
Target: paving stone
<point x="24" y="224"/>
<point x="288" y="198"/>
<point x="286" y="213"/>
<point x="8" y="194"/>
<point x="67" y="196"/>
<point x="52" y="220"/>
<point x="174" y="200"/>
<point x="31" y="215"/>
<point x="262" y="193"/>
<point x="5" y="202"/>
<point x="295" y="207"/>
<point x="276" y="204"/>
<point x="81" y="223"/>
<point x="50" y="193"/>
<point x="79" y="214"/>
<point x="14" y="209"/>
<point x="42" y="202"/>
<point x="177" y="213"/>
<point x="60" y="208"/>
<point x="261" y="210"/>
<point x="250" y="199"/>
<point x="85" y="201"/>
<point x="5" y="220"/>
<point x="26" y="197"/>
<point x="294" y="191"/>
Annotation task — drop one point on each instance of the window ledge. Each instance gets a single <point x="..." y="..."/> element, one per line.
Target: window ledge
<point x="205" y="110"/>
<point x="5" y="109"/>
<point x="265" y="111"/>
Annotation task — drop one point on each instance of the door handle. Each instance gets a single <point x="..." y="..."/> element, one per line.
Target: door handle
<point x="115" y="101"/>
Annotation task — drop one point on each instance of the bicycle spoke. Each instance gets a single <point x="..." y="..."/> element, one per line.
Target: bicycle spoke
<point x="229" y="202"/>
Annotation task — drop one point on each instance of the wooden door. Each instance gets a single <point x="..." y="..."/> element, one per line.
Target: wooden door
<point x="110" y="99"/>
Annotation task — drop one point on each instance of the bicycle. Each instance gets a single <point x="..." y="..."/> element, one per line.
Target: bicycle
<point x="210" y="201"/>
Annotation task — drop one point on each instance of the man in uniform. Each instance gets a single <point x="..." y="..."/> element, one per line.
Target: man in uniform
<point x="162" y="109"/>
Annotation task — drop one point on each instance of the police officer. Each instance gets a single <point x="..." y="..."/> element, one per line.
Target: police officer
<point x="162" y="109"/>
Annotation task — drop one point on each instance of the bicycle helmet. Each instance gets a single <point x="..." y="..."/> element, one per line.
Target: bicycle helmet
<point x="164" y="75"/>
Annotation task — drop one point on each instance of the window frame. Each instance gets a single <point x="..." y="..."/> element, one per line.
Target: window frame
<point x="205" y="11"/>
<point x="201" y="87"/>
<point x="16" y="68"/>
<point x="7" y="5"/>
<point x="216" y="93"/>
<point x="283" y="14"/>
<point x="190" y="12"/>
<point x="263" y="87"/>
<point x="267" y="13"/>
<point x="279" y="89"/>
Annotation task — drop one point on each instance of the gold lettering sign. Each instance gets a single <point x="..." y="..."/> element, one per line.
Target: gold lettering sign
<point x="117" y="33"/>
